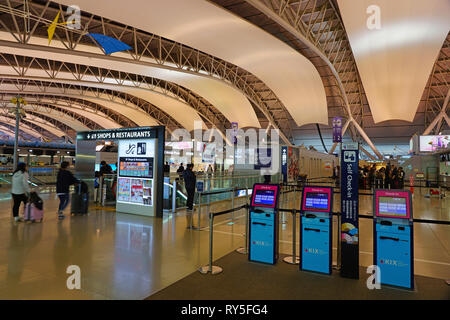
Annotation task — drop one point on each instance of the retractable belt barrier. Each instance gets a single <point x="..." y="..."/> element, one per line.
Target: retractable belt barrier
<point x="210" y="268"/>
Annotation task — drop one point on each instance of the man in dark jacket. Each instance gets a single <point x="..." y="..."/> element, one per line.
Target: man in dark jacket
<point x="64" y="180"/>
<point x="189" y="183"/>
<point x="105" y="168"/>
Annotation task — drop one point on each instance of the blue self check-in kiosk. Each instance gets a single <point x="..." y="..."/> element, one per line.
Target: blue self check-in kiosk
<point x="316" y="229"/>
<point x="263" y="224"/>
<point x="393" y="237"/>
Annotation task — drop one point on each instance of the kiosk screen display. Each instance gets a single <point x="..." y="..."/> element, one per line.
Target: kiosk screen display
<point x="316" y="201"/>
<point x="136" y="167"/>
<point x="393" y="207"/>
<point x="264" y="197"/>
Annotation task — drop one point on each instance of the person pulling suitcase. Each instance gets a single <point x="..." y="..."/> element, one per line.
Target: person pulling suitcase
<point x="64" y="180"/>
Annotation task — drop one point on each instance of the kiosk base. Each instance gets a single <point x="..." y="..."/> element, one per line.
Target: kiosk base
<point x="214" y="270"/>
<point x="350" y="261"/>
<point x="291" y="260"/>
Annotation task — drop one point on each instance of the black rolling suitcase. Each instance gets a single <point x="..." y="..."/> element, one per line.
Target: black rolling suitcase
<point x="80" y="199"/>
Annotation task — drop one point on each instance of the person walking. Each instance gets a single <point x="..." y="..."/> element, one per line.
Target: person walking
<point x="64" y="180"/>
<point x="104" y="168"/>
<point x="20" y="189"/>
<point x="189" y="183"/>
<point x="180" y="169"/>
<point x="166" y="169"/>
<point x="209" y="171"/>
<point x="401" y="178"/>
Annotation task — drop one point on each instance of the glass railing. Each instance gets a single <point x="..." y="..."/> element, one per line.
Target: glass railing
<point x="222" y="184"/>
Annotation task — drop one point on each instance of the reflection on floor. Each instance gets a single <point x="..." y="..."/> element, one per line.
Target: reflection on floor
<point x="131" y="257"/>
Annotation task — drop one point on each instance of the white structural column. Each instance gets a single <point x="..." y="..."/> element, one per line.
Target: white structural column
<point x="260" y="5"/>
<point x="441" y="116"/>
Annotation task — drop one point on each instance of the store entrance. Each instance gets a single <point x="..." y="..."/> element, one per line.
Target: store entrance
<point x="123" y="168"/>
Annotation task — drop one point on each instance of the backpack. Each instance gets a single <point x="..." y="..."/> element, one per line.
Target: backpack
<point x="36" y="200"/>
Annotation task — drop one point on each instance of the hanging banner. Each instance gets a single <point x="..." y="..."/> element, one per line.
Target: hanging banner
<point x="337" y="129"/>
<point x="284" y="163"/>
<point x="209" y="153"/>
<point x="293" y="164"/>
<point x="234" y="128"/>
<point x="349" y="213"/>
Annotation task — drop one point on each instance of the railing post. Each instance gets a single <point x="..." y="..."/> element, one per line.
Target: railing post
<point x="293" y="259"/>
<point x="244" y="250"/>
<point x="103" y="192"/>
<point x="199" y="210"/>
<point x="338" y="243"/>
<point x="174" y="196"/>
<point x="232" y="204"/>
<point x="210" y="268"/>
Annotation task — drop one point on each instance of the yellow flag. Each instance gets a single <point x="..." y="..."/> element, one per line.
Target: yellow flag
<point x="52" y="27"/>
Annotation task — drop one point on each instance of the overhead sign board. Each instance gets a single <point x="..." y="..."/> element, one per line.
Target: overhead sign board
<point x="118" y="134"/>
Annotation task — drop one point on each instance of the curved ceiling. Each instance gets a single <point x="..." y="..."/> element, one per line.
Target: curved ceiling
<point x="58" y="116"/>
<point x="180" y="111"/>
<point x="209" y="28"/>
<point x="135" y="114"/>
<point x="228" y="100"/>
<point x="45" y="125"/>
<point x="96" y="116"/>
<point x="395" y="61"/>
<point x="10" y="132"/>
<point x="6" y="131"/>
<point x="25" y="128"/>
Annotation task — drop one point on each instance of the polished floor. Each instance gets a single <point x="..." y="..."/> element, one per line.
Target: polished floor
<point x="131" y="257"/>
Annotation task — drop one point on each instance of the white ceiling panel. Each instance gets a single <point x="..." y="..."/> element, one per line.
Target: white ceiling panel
<point x="395" y="60"/>
<point x="132" y="112"/>
<point x="228" y="100"/>
<point x="209" y="28"/>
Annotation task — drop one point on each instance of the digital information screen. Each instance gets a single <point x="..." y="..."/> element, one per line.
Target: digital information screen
<point x="392" y="206"/>
<point x="264" y="197"/>
<point x="136" y="167"/>
<point x="317" y="201"/>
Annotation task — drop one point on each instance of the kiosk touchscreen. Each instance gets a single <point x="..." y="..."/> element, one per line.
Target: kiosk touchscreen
<point x="393" y="237"/>
<point x="263" y="224"/>
<point x="316" y="229"/>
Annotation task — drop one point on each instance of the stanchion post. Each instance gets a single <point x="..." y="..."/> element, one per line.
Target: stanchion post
<point x="174" y="196"/>
<point x="103" y="192"/>
<point x="199" y="210"/>
<point x="338" y="243"/>
<point x="244" y="250"/>
<point x="210" y="268"/>
<point x="293" y="259"/>
<point x="232" y="203"/>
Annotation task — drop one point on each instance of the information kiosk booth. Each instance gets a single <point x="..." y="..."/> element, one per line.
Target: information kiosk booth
<point x="263" y="230"/>
<point x="316" y="229"/>
<point x="393" y="237"/>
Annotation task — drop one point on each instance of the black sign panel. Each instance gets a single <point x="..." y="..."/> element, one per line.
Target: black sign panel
<point x="117" y="134"/>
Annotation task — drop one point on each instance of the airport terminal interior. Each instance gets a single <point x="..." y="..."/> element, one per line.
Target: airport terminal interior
<point x="224" y="150"/>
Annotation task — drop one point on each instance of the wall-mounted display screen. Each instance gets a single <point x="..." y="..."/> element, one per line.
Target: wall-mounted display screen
<point x="136" y="167"/>
<point x="318" y="201"/>
<point x="434" y="143"/>
<point x="393" y="206"/>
